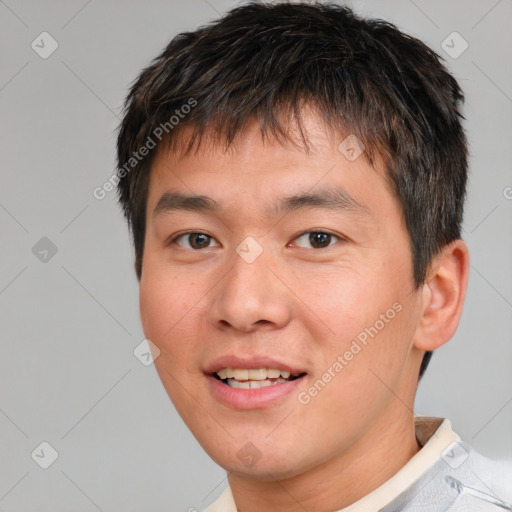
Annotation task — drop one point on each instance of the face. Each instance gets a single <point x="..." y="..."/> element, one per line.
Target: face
<point x="282" y="300"/>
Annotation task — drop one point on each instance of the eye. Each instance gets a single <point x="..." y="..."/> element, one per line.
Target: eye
<point x="193" y="240"/>
<point x="318" y="239"/>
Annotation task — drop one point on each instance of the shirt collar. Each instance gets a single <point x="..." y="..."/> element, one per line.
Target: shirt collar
<point x="433" y="434"/>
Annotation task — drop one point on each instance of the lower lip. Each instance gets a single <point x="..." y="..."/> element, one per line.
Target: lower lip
<point x="252" y="398"/>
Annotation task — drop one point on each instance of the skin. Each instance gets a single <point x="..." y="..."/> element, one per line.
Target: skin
<point x="297" y="303"/>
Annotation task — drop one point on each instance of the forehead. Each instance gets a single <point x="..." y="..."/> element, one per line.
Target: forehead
<point x="330" y="167"/>
<point x="306" y="132"/>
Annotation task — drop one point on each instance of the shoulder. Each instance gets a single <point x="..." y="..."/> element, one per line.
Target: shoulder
<point x="495" y="474"/>
<point x="464" y="480"/>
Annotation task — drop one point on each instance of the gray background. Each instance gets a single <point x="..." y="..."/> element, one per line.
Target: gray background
<point x="70" y="323"/>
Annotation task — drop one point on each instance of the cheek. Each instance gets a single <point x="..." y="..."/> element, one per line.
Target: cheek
<point x="153" y="306"/>
<point x="352" y="387"/>
<point x="169" y="309"/>
<point x="164" y="297"/>
<point x="346" y="302"/>
<point x="367" y="318"/>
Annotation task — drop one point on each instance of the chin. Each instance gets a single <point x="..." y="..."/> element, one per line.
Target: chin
<point x="267" y="464"/>
<point x="264" y="472"/>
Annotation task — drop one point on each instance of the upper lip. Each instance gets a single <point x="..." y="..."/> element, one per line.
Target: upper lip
<point x="250" y="362"/>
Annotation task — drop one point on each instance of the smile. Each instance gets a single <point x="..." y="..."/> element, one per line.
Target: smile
<point x="254" y="378"/>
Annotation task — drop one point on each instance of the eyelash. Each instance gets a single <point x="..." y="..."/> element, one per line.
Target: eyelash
<point x="175" y="239"/>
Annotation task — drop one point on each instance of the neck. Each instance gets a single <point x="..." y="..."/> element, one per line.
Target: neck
<point x="342" y="480"/>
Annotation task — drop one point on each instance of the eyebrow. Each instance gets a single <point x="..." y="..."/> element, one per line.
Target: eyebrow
<point x="332" y="198"/>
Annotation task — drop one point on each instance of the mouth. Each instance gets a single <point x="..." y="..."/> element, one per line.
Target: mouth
<point x="254" y="382"/>
<point x="254" y="378"/>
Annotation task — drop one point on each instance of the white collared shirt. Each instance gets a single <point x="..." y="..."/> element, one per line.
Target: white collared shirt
<point x="445" y="475"/>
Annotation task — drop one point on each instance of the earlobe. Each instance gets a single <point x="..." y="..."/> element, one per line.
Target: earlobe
<point x="443" y="296"/>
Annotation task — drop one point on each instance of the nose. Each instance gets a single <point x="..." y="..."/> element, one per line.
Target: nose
<point x="252" y="296"/>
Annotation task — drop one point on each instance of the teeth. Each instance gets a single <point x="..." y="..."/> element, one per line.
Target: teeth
<point x="253" y="384"/>
<point x="253" y="374"/>
<point x="240" y="374"/>
<point x="259" y="374"/>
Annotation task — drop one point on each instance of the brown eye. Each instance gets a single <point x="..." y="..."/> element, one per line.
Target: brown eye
<point x="318" y="239"/>
<point x="193" y="240"/>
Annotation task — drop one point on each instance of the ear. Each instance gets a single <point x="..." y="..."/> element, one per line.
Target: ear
<point x="443" y="296"/>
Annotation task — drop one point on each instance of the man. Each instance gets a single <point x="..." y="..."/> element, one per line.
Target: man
<point x="294" y="179"/>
